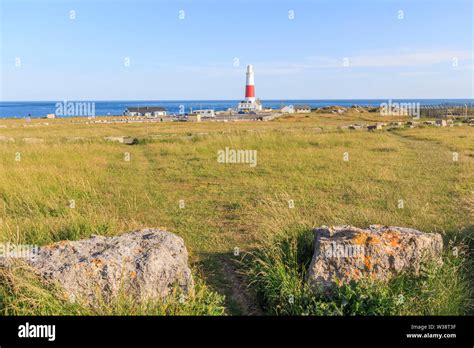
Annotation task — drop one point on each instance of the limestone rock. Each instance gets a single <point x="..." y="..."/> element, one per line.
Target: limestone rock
<point x="4" y="139"/>
<point x="345" y="253"/>
<point x="146" y="263"/>
<point x="123" y="140"/>
<point x="33" y="140"/>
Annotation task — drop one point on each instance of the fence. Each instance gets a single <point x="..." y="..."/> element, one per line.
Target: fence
<point x="447" y="110"/>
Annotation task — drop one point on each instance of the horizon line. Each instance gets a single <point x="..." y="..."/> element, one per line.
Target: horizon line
<point x="200" y="100"/>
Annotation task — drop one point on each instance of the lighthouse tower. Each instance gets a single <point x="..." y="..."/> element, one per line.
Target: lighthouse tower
<point x="250" y="103"/>
<point x="250" y="85"/>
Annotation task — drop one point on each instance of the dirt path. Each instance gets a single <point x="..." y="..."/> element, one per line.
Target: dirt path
<point x="242" y="301"/>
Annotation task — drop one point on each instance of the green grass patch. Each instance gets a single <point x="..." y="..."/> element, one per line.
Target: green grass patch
<point x="24" y="293"/>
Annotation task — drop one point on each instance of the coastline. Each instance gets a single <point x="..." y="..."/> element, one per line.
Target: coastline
<point x="39" y="109"/>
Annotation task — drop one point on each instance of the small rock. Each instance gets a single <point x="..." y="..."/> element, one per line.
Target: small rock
<point x="33" y="140"/>
<point x="374" y="127"/>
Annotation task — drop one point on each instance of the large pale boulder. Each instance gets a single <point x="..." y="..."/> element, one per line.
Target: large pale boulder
<point x="345" y="253"/>
<point x="146" y="264"/>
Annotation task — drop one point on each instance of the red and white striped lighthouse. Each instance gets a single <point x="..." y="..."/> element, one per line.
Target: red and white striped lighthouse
<point x="250" y="85"/>
<point x="250" y="104"/>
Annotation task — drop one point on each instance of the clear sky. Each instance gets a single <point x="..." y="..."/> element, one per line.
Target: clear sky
<point x="425" y="51"/>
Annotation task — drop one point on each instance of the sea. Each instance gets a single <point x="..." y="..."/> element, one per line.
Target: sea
<point x="38" y="109"/>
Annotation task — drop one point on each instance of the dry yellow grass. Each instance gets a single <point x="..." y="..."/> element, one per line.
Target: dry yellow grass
<point x="230" y="206"/>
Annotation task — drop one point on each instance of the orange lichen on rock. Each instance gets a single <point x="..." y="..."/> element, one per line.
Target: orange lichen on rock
<point x="368" y="262"/>
<point x="96" y="262"/>
<point x="356" y="274"/>
<point x="373" y="240"/>
<point x="395" y="241"/>
<point x="57" y="245"/>
<point x="366" y="239"/>
<point x="360" y="239"/>
<point x="392" y="239"/>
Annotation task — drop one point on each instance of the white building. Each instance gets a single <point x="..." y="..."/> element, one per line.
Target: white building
<point x="205" y="113"/>
<point x="289" y="109"/>
<point x="248" y="106"/>
<point x="302" y="109"/>
<point x="148" y="111"/>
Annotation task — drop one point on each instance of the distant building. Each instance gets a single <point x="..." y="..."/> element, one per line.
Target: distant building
<point x="302" y="109"/>
<point x="206" y="113"/>
<point x="289" y="109"/>
<point x="148" y="111"/>
<point x="250" y="105"/>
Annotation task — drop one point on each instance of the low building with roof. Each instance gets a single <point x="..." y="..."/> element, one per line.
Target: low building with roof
<point x="302" y="109"/>
<point x="249" y="105"/>
<point x="148" y="111"/>
<point x="205" y="113"/>
<point x="288" y="109"/>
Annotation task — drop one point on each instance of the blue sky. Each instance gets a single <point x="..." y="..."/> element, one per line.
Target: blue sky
<point x="427" y="54"/>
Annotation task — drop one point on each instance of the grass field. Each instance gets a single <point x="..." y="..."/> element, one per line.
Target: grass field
<point x="234" y="208"/>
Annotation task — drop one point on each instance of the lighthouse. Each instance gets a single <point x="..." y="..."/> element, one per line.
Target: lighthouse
<point x="250" y="85"/>
<point x="250" y="103"/>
